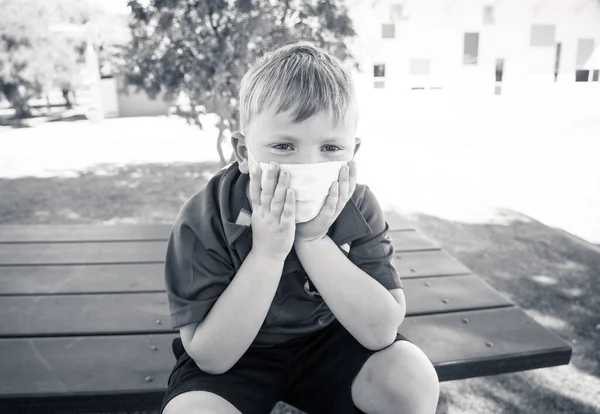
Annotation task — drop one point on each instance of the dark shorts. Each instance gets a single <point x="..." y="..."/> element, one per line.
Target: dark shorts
<point x="313" y="373"/>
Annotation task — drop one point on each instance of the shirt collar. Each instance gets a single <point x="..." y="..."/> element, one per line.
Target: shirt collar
<point x="350" y="224"/>
<point x="232" y="199"/>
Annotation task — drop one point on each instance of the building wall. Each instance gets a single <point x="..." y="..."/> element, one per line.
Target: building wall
<point x="133" y="103"/>
<point x="110" y="97"/>
<point x="435" y="30"/>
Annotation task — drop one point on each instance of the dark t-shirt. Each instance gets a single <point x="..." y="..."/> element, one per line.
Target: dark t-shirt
<point x="211" y="237"/>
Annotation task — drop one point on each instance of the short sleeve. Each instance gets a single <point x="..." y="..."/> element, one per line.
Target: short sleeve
<point x="374" y="253"/>
<point x="197" y="271"/>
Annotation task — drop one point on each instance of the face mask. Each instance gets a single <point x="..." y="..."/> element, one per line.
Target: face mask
<point x="310" y="183"/>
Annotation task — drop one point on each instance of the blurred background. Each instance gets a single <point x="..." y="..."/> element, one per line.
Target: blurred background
<point x="480" y="121"/>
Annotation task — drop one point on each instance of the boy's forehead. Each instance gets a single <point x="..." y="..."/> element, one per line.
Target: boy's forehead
<point x="271" y="123"/>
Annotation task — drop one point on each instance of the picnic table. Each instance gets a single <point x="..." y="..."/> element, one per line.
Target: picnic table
<point x="85" y="323"/>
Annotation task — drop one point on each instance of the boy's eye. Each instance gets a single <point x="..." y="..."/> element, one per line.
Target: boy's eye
<point x="282" y="146"/>
<point x="331" y="148"/>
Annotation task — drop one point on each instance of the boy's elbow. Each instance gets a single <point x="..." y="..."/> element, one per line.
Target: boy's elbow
<point x="381" y="341"/>
<point x="210" y="365"/>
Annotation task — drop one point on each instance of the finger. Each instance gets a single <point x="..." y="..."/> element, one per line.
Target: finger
<point x="289" y="209"/>
<point x="344" y="187"/>
<point x="268" y="187"/>
<point x="330" y="207"/>
<point x="255" y="187"/>
<point x="283" y="183"/>
<point x="353" y="177"/>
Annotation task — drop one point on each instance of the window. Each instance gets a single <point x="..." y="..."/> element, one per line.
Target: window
<point x="379" y="75"/>
<point x="379" y="71"/>
<point x="582" y="75"/>
<point x="499" y="75"/>
<point x="499" y="69"/>
<point x="542" y="35"/>
<point x="420" y="66"/>
<point x="585" y="48"/>
<point x="388" y="31"/>
<point x="471" y="49"/>
<point x="397" y="12"/>
<point x="596" y="75"/>
<point x="488" y="15"/>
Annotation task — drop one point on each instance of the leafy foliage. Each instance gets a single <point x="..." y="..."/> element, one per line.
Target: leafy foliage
<point x="33" y="58"/>
<point x="204" y="47"/>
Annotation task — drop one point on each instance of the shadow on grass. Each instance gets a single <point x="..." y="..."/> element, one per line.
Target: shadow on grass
<point x="553" y="276"/>
<point x="135" y="194"/>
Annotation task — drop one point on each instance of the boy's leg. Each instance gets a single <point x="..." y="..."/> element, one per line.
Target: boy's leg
<point x="252" y="385"/>
<point x="336" y="374"/>
<point x="193" y="402"/>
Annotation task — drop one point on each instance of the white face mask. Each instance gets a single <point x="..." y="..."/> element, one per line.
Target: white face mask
<point x="310" y="183"/>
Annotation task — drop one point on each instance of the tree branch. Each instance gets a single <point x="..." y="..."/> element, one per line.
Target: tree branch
<point x="285" y="10"/>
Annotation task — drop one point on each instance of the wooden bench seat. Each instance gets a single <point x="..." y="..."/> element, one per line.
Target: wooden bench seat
<point x="86" y="327"/>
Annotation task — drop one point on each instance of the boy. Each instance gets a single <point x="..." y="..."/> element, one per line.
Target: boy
<point x="279" y="271"/>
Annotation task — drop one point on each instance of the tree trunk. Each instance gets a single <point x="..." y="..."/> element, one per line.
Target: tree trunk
<point x="220" y="140"/>
<point x="18" y="102"/>
<point x="66" y="93"/>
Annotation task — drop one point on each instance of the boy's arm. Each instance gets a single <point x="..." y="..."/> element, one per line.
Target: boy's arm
<point x="204" y="287"/>
<point x="231" y="325"/>
<point x="363" y="290"/>
<point x="362" y="304"/>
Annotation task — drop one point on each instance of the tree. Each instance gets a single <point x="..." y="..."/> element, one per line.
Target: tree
<point x="32" y="57"/>
<point x="204" y="47"/>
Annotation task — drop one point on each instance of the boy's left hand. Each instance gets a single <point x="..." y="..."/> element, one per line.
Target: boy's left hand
<point x="339" y="194"/>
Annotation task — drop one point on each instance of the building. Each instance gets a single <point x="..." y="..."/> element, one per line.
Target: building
<point x="476" y="47"/>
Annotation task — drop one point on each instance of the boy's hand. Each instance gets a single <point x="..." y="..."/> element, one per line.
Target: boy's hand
<point x="273" y="212"/>
<point x="339" y="194"/>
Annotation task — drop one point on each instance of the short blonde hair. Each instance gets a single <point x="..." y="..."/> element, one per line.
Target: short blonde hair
<point x="300" y="78"/>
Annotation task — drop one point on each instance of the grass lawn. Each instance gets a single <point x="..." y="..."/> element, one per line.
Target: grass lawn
<point x="548" y="272"/>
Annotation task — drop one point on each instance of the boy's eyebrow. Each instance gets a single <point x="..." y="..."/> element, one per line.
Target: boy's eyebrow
<point x="292" y="138"/>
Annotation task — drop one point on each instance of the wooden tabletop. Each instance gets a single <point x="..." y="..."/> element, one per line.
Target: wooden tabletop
<point x="86" y="325"/>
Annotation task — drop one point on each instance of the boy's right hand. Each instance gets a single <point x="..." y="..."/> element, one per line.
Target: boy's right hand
<point x="273" y="212"/>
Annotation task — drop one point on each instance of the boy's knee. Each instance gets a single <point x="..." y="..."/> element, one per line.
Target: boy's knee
<point x="411" y="383"/>
<point x="199" y="402"/>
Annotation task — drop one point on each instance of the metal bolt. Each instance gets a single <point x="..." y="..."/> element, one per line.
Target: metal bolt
<point x="158" y="322"/>
<point x="489" y="344"/>
<point x="413" y="270"/>
<point x="154" y="348"/>
<point x="445" y="300"/>
<point x="465" y="320"/>
<point x="427" y="284"/>
<point x="148" y="379"/>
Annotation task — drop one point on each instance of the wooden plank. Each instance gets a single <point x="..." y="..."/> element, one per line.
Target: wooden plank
<point x="141" y="251"/>
<point x="428" y="263"/>
<point x="82" y="253"/>
<point x="450" y="294"/>
<point x="485" y="342"/>
<point x="411" y="240"/>
<point x="107" y="314"/>
<point x="99" y="369"/>
<point x="102" y="314"/>
<point x="82" y="232"/>
<point x="397" y="221"/>
<point x="83" y="374"/>
<point x="149" y="277"/>
<point x="35" y="280"/>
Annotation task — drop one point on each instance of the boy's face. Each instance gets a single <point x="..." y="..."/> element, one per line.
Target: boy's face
<point x="275" y="138"/>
